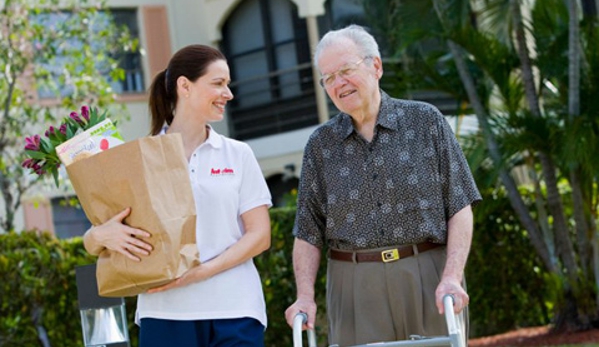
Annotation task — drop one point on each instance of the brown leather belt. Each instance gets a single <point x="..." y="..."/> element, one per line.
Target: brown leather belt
<point x="385" y="256"/>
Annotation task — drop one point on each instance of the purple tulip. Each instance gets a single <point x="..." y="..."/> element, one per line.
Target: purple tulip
<point x="85" y="112"/>
<point x="38" y="169"/>
<point x="28" y="163"/>
<point x="63" y="129"/>
<point x="51" y="131"/>
<point x="75" y="116"/>
<point x="32" y="143"/>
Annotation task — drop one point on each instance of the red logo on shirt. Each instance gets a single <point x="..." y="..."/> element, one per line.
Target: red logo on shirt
<point x="221" y="172"/>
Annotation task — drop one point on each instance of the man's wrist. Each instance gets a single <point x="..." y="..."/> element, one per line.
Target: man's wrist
<point x="305" y="296"/>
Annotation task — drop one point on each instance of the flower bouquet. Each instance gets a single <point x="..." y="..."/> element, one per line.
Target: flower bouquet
<point x="149" y="174"/>
<point x="87" y="132"/>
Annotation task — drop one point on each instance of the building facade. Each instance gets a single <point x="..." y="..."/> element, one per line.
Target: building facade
<point x="277" y="103"/>
<point x="268" y="43"/>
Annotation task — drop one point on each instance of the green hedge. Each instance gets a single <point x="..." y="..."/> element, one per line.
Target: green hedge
<point x="505" y="282"/>
<point x="38" y="289"/>
<point x="276" y="269"/>
<point x="38" y="278"/>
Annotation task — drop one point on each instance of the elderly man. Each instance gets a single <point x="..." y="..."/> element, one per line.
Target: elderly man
<point x="386" y="188"/>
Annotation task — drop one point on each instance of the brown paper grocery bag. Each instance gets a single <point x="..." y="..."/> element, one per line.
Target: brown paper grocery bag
<point x="150" y="175"/>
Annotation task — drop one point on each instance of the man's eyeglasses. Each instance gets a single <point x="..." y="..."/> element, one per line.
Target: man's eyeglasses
<point x="345" y="71"/>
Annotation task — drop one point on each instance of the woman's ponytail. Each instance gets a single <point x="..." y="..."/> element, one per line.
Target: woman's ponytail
<point x="161" y="102"/>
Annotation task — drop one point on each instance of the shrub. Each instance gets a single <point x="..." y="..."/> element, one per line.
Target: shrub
<point x="507" y="284"/>
<point x="276" y="270"/>
<point x="38" y="296"/>
<point x="38" y="290"/>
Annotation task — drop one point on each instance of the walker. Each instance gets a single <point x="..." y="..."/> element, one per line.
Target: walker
<point x="454" y="322"/>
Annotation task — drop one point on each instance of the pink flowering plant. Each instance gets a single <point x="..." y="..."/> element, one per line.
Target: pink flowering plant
<point x="40" y="151"/>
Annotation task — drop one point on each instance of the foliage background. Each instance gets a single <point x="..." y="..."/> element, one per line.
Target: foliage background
<point x="56" y="56"/>
<point x="38" y="295"/>
<point x="528" y="71"/>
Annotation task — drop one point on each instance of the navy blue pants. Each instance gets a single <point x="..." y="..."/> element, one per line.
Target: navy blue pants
<point x="241" y="332"/>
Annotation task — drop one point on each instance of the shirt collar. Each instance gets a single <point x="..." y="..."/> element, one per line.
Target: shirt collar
<point x="214" y="139"/>
<point x="387" y="117"/>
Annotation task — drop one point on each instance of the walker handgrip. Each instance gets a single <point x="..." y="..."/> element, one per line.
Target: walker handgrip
<point x="298" y="322"/>
<point x="453" y="324"/>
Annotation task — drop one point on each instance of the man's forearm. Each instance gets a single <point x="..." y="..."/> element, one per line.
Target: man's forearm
<point x="459" y="239"/>
<point x="306" y="260"/>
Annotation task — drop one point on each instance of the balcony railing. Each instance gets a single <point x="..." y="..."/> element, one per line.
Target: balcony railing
<point x="284" y="100"/>
<point x="273" y="103"/>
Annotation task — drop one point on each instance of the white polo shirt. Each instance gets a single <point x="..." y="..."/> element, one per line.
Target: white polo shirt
<point x="226" y="182"/>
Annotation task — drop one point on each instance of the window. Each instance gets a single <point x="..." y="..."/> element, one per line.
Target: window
<point x="65" y="50"/>
<point x="130" y="62"/>
<point x="267" y="48"/>
<point x="340" y="13"/>
<point x="69" y="221"/>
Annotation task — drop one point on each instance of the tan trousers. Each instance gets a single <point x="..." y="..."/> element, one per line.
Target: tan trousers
<point x="374" y="301"/>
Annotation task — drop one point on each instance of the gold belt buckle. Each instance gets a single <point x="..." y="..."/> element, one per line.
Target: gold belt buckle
<point x="390" y="255"/>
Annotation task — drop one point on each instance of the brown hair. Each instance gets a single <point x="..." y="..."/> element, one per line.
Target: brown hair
<point x="191" y="62"/>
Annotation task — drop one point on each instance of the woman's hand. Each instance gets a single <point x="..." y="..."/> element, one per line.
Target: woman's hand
<point x="118" y="237"/>
<point x="195" y="274"/>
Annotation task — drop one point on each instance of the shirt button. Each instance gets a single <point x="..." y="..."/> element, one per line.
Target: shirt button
<point x="379" y="204"/>
<point x="192" y="170"/>
<point x="375" y="176"/>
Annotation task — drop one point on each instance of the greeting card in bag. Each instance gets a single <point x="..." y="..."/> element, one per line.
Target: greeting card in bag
<point x="96" y="139"/>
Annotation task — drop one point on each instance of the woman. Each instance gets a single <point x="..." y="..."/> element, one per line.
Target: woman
<point x="220" y="302"/>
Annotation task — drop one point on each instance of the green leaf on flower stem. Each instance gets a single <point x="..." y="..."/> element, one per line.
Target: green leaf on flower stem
<point x="93" y="116"/>
<point x="73" y="126"/>
<point x="35" y="154"/>
<point x="55" y="141"/>
<point x="103" y="116"/>
<point x="70" y="132"/>
<point x="46" y="145"/>
<point x="55" y="176"/>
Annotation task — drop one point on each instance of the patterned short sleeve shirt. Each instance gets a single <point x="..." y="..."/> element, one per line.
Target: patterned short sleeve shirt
<point x="400" y="188"/>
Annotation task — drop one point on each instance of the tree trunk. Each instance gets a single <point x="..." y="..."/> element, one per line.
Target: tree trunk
<point x="564" y="245"/>
<point x="573" y="113"/>
<point x="543" y="217"/>
<point x="7" y="222"/>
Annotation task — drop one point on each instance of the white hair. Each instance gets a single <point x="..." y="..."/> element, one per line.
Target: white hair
<point x="364" y="41"/>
